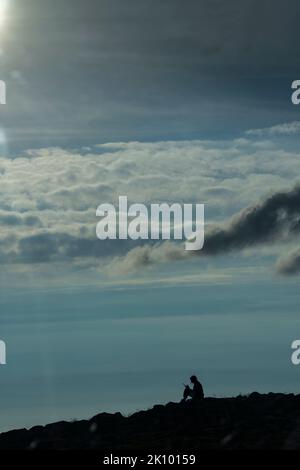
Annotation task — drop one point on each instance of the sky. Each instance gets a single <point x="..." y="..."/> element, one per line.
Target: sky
<point x="163" y="102"/>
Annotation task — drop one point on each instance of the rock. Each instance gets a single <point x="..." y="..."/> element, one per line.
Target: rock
<point x="257" y="421"/>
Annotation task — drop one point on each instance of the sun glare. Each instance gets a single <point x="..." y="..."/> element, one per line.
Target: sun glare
<point x="3" y="11"/>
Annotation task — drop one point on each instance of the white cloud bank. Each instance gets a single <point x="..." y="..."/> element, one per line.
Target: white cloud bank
<point x="49" y="196"/>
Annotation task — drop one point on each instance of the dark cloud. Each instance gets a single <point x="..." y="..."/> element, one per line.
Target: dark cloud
<point x="145" y="69"/>
<point x="173" y="31"/>
<point x="275" y="218"/>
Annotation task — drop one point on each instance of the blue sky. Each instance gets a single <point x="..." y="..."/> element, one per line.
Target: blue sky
<point x="163" y="103"/>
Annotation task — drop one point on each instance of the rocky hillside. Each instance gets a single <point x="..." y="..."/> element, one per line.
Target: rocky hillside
<point x="256" y="421"/>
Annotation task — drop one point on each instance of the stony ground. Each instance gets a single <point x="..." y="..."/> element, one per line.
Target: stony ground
<point x="256" y="421"/>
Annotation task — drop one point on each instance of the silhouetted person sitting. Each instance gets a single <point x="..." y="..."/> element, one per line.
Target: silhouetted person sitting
<point x="195" y="393"/>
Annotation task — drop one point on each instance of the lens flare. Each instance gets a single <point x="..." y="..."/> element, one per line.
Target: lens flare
<point x="3" y="11"/>
<point x="3" y="143"/>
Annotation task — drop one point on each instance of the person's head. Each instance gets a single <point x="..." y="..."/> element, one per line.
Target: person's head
<point x="193" y="379"/>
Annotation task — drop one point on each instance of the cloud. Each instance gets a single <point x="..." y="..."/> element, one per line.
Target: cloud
<point x="147" y="256"/>
<point x="288" y="128"/>
<point x="202" y="50"/>
<point x="49" y="198"/>
<point x="289" y="265"/>
<point x="53" y="247"/>
<point x="14" y="220"/>
<point x="275" y="219"/>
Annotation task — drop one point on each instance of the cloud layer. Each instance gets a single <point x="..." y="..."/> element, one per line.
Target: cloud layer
<point x="275" y="219"/>
<point x="49" y="198"/>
